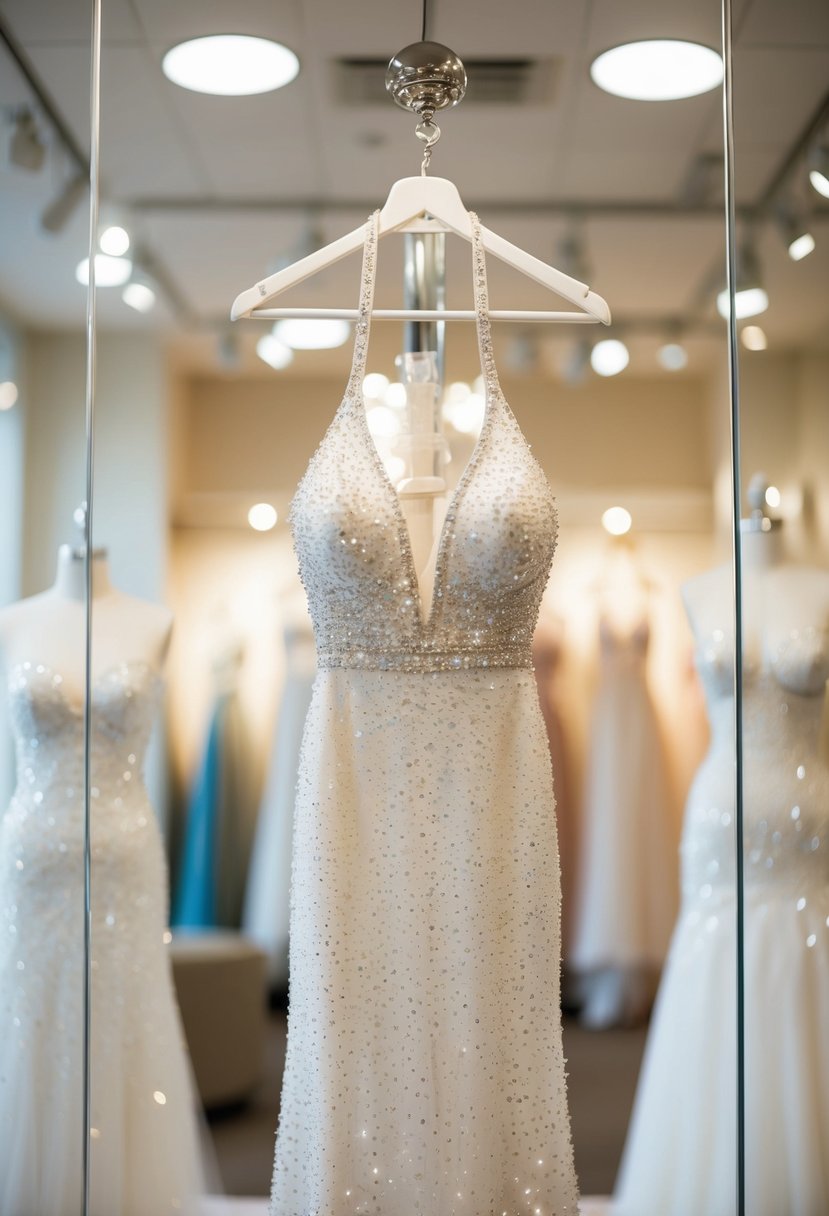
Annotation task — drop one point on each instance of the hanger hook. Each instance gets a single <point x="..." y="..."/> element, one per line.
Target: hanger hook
<point x="428" y="132"/>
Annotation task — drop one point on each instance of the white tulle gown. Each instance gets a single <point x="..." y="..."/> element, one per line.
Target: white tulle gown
<point x="145" y="1153"/>
<point x="626" y="895"/>
<point x="424" y="1072"/>
<point x="680" y="1155"/>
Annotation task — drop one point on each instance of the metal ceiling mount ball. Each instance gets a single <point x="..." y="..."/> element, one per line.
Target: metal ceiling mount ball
<point x="425" y="77"/>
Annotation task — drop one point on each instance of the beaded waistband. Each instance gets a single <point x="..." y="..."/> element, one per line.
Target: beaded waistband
<point x="426" y="660"/>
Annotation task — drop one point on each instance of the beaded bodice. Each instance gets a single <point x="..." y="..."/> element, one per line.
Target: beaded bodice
<point x="494" y="551"/>
<point x="49" y="732"/>
<point x="785" y="773"/>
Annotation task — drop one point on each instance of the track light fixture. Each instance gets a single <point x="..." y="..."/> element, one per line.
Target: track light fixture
<point x="750" y="297"/>
<point x="796" y="233"/>
<point x="26" y="149"/>
<point x="59" y="212"/>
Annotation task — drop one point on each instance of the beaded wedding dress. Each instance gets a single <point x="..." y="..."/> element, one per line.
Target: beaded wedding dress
<point x="679" y="1159"/>
<point x="424" y="1072"/>
<point x="145" y="1157"/>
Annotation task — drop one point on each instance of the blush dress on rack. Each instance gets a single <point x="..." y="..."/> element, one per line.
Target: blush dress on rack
<point x="424" y="1073"/>
<point x="145" y="1150"/>
<point x="627" y="880"/>
<point x="679" y="1159"/>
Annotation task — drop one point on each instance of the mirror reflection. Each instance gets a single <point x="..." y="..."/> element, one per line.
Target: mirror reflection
<point x="325" y="719"/>
<point x="782" y="311"/>
<point x="43" y="203"/>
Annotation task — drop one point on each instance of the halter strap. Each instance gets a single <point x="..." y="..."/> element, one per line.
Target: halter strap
<point x="368" y="279"/>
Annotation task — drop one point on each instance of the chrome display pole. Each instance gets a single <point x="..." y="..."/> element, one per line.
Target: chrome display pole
<point x="91" y="353"/>
<point x="424" y="78"/>
<point x="424" y="287"/>
<point x="736" y="512"/>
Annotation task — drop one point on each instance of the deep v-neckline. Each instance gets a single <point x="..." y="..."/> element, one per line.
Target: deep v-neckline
<point x="492" y="397"/>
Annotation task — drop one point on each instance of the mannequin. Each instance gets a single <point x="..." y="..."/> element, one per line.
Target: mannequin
<point x="679" y="1154"/>
<point x="49" y="627"/>
<point x="142" y="1097"/>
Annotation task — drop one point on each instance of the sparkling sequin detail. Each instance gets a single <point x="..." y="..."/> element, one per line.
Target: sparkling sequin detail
<point x="137" y="1046"/>
<point x="494" y="552"/>
<point x="424" y="1073"/>
<point x="786" y="942"/>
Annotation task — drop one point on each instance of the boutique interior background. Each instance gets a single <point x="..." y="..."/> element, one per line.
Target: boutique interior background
<point x="193" y="428"/>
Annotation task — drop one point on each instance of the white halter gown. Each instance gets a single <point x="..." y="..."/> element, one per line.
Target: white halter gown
<point x="424" y="1072"/>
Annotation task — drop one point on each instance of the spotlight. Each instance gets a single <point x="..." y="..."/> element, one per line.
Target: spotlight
<point x="312" y="333"/>
<point x="139" y="296"/>
<point x="59" y="212"/>
<point x="749" y="297"/>
<point x="617" y="521"/>
<point x="375" y="385"/>
<point x="672" y="356"/>
<point x="795" y="232"/>
<point x="273" y="352"/>
<point x="753" y="337"/>
<point x="26" y="149"/>
<point x="109" y="272"/>
<point x="819" y="169"/>
<point x="114" y="240"/>
<point x="8" y="394"/>
<point x="609" y="357"/>
<point x="262" y="517"/>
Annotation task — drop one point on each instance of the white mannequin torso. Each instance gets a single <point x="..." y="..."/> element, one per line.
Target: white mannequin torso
<point x="49" y="628"/>
<point x="778" y="597"/>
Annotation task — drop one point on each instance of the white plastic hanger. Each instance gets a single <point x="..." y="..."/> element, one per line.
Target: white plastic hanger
<point x="423" y="204"/>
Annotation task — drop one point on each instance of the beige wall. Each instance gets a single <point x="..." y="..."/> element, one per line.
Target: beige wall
<point x="254" y="436"/>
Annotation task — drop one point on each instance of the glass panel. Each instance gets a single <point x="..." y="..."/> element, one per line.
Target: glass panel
<point x="784" y="361"/>
<point x="43" y="237"/>
<point x="204" y="431"/>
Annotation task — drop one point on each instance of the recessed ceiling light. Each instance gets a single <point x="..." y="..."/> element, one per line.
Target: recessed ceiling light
<point x="773" y="497"/>
<point x="672" y="357"/>
<point x="262" y="517"/>
<point x="109" y="271"/>
<point x="617" y="521"/>
<point x="659" y="69"/>
<point x="609" y="357"/>
<point x="273" y="352"/>
<point x="312" y="333"/>
<point x="230" y="65"/>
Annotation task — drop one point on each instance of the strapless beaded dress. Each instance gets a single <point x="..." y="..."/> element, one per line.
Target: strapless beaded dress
<point x="146" y="1158"/>
<point x="679" y="1159"/>
<point x="424" y="1073"/>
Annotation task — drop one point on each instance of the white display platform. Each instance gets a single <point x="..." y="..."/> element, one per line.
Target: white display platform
<point x="217" y="1206"/>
